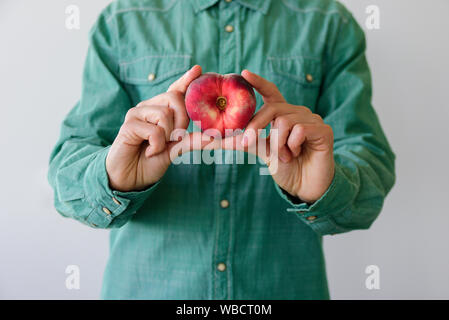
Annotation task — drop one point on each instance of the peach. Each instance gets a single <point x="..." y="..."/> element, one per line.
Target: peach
<point x="220" y="102"/>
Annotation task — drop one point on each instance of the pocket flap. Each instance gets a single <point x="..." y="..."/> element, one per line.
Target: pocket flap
<point x="150" y="70"/>
<point x="307" y="71"/>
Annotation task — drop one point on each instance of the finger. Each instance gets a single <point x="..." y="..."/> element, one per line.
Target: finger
<point x="182" y="83"/>
<point x="173" y="100"/>
<point x="190" y="142"/>
<point x="296" y="139"/>
<point x="203" y="141"/>
<point x="261" y="148"/>
<point x="156" y="114"/>
<point x="261" y="119"/>
<point x="134" y="132"/>
<point x="156" y="141"/>
<point x="196" y="141"/>
<point x="267" y="89"/>
<point x="317" y="136"/>
<point x="283" y="127"/>
<point x="270" y="111"/>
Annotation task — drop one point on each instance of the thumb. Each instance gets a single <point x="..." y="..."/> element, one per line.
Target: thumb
<point x="268" y="90"/>
<point x="183" y="83"/>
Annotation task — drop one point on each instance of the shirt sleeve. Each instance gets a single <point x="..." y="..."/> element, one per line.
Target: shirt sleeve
<point x="364" y="161"/>
<point x="77" y="170"/>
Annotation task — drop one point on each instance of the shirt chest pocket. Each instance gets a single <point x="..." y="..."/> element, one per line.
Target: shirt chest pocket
<point x="298" y="78"/>
<point x="148" y="76"/>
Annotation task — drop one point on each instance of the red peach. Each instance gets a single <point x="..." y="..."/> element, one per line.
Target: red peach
<point x="220" y="102"/>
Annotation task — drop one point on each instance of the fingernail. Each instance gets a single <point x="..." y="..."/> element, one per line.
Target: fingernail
<point x="284" y="156"/>
<point x="244" y="141"/>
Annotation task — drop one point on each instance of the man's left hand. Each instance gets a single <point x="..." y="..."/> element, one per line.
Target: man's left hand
<point x="305" y="143"/>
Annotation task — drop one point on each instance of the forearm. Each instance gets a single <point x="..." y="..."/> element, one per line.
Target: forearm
<point x="82" y="192"/>
<point x="355" y="198"/>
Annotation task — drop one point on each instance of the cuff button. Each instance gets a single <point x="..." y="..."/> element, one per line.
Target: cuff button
<point x="107" y="211"/>
<point x="311" y="218"/>
<point x="309" y="78"/>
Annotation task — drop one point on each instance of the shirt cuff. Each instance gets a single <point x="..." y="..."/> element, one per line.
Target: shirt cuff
<point x="110" y="208"/>
<point x="321" y="215"/>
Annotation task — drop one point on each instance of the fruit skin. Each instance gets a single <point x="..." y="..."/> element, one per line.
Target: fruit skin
<point x="220" y="101"/>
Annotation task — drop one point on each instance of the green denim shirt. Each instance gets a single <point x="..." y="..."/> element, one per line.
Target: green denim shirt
<point x="178" y="239"/>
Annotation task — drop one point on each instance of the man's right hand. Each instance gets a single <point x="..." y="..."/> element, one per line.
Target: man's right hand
<point x="139" y="156"/>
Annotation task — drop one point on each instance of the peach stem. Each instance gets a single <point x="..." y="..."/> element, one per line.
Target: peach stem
<point x="221" y="103"/>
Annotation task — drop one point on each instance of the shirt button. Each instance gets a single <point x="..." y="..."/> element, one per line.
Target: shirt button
<point x="116" y="202"/>
<point x="229" y="28"/>
<point x="309" y="77"/>
<point x="151" y="77"/>
<point x="224" y="203"/>
<point x="107" y="211"/>
<point x="228" y="1"/>
<point x="311" y="218"/>
<point x="221" y="267"/>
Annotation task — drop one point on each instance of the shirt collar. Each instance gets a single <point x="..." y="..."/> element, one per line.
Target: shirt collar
<point x="258" y="5"/>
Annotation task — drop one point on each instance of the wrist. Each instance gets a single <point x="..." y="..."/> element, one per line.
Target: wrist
<point x="312" y="194"/>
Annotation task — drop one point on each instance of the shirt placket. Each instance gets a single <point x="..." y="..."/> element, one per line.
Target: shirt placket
<point x="225" y="174"/>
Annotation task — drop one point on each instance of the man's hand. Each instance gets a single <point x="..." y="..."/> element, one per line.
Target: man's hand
<point x="139" y="155"/>
<point x="305" y="142"/>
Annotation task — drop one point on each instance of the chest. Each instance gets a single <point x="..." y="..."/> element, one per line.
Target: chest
<point x="159" y="49"/>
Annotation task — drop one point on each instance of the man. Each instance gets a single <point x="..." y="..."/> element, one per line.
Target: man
<point x="222" y="231"/>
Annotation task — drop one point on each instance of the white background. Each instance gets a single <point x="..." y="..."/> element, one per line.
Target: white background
<point x="40" y="72"/>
